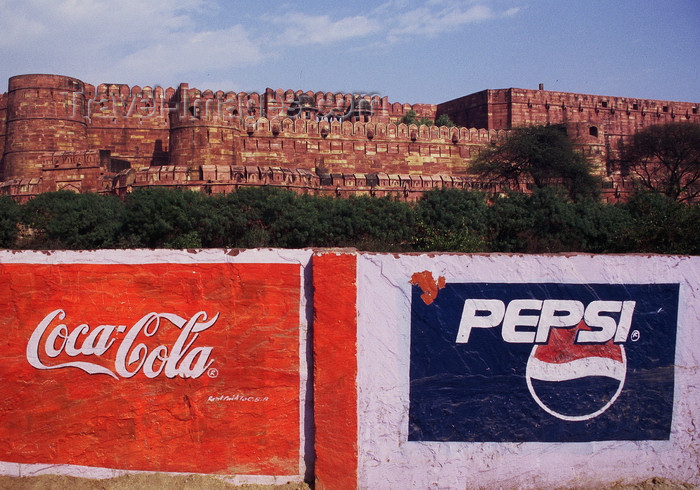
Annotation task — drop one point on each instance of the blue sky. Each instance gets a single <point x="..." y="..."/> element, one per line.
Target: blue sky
<point x="409" y="50"/>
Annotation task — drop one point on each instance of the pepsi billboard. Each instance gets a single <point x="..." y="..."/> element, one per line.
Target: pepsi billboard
<point x="549" y="362"/>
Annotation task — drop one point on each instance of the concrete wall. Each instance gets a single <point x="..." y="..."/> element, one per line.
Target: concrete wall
<point x="170" y="361"/>
<point x="423" y="371"/>
<point x="436" y="411"/>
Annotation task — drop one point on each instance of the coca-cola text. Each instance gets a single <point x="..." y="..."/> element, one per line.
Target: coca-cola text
<point x="50" y="339"/>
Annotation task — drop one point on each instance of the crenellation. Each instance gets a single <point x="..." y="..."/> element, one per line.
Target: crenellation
<point x="58" y="132"/>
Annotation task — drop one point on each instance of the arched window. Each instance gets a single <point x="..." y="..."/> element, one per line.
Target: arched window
<point x="593" y="131"/>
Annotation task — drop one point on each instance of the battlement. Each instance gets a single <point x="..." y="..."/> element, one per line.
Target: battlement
<point x="216" y="179"/>
<point x="57" y="132"/>
<point x="72" y="159"/>
<point x="512" y="107"/>
<point x="611" y="104"/>
<point x="117" y="102"/>
<point x="370" y="130"/>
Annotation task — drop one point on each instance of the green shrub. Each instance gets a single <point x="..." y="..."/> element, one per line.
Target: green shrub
<point x="659" y="224"/>
<point x="444" y="220"/>
<point x="9" y="220"/>
<point x="64" y="219"/>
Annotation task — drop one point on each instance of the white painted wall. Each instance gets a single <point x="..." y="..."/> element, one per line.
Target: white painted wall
<point x="388" y="460"/>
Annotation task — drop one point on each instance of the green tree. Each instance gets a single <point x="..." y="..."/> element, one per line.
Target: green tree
<point x="64" y="219"/>
<point x="666" y="158"/>
<point x="510" y="223"/>
<point x="255" y="217"/>
<point x="363" y="222"/>
<point x="162" y="217"/>
<point x="451" y="220"/>
<point x="543" y="155"/>
<point x="293" y="221"/>
<point x="9" y="221"/>
<point x="444" y="120"/>
<point x="249" y="213"/>
<point x="412" y="118"/>
<point x="221" y="222"/>
<point x="661" y="225"/>
<point x="380" y="224"/>
<point x="547" y="221"/>
<point x="600" y="227"/>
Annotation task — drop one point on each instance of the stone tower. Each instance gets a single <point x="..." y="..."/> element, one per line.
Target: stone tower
<point x="45" y="113"/>
<point x="202" y="129"/>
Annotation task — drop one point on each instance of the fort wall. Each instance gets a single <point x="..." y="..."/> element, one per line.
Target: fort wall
<point x="598" y="122"/>
<point x="154" y="126"/>
<point x="57" y="132"/>
<point x="132" y="123"/>
<point x="204" y="128"/>
<point x="362" y="146"/>
<point x="44" y="113"/>
<point x="3" y="124"/>
<point x="513" y="107"/>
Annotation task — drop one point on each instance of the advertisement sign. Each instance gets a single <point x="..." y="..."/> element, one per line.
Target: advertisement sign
<point x="500" y="362"/>
<point x="182" y="367"/>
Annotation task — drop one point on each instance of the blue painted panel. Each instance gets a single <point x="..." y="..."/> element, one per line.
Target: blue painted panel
<point x="469" y="384"/>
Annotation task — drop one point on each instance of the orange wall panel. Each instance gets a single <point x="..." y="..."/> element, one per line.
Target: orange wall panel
<point x="158" y="367"/>
<point x="335" y="370"/>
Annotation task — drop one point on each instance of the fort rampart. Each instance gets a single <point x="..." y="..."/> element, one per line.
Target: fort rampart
<point x="598" y="122"/>
<point x="57" y="132"/>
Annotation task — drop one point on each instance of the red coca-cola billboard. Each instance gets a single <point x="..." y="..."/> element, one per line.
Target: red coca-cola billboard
<point x="183" y="367"/>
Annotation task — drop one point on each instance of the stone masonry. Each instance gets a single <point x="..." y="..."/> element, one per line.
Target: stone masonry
<point x="57" y="132"/>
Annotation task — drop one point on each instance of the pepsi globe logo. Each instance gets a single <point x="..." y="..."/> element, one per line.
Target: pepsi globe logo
<point x="575" y="382"/>
<point x="544" y="362"/>
<point x="577" y="367"/>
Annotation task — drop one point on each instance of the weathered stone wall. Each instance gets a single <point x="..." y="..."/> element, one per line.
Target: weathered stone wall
<point x="3" y="128"/>
<point x="131" y="123"/>
<point x="598" y="123"/>
<point x="151" y="127"/>
<point x="157" y="132"/>
<point x="362" y="147"/>
<point x="513" y="107"/>
<point x="44" y="113"/>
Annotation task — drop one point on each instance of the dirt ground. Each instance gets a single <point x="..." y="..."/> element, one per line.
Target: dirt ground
<point x="192" y="482"/>
<point x="136" y="481"/>
<point x="652" y="484"/>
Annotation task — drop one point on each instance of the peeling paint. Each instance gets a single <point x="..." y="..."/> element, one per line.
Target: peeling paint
<point x="428" y="285"/>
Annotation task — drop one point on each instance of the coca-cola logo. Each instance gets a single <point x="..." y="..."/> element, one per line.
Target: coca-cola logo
<point x="53" y="342"/>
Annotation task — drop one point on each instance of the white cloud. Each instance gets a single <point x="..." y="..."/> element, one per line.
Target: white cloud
<point x="390" y="7"/>
<point x="302" y="29"/>
<point x="180" y="53"/>
<point x="442" y="16"/>
<point x="99" y="22"/>
<point x="129" y="40"/>
<point x="169" y="41"/>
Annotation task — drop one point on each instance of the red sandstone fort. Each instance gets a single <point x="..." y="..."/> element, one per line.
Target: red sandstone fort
<point x="57" y="132"/>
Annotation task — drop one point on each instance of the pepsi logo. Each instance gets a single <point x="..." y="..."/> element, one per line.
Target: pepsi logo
<point x="575" y="382"/>
<point x="543" y="362"/>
